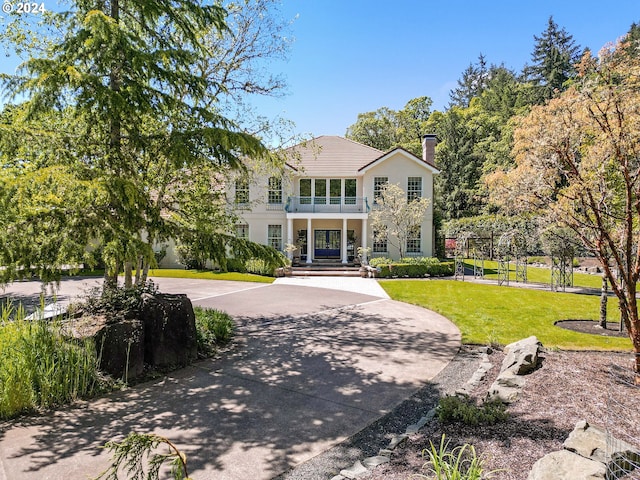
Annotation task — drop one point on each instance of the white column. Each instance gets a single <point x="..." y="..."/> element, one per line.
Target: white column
<point x="290" y="236"/>
<point x="310" y="241"/>
<point x="364" y="239"/>
<point x="343" y="247"/>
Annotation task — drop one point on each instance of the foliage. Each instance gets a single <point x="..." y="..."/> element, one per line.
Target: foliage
<point x="123" y="131"/>
<point x="393" y="218"/>
<point x="505" y="315"/>
<point x="209" y="275"/>
<point x="577" y="164"/>
<point x="460" y="463"/>
<point x="379" y="261"/>
<point x="136" y="457"/>
<point x="39" y="367"/>
<point x="452" y="409"/>
<point x="386" y="129"/>
<point x="554" y="58"/>
<point x="124" y="302"/>
<point x="213" y="328"/>
<point x="418" y="267"/>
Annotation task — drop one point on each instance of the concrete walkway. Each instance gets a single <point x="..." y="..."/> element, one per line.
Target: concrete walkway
<point x="309" y="367"/>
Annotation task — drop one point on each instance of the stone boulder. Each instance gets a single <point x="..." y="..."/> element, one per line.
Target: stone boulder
<point x="169" y="330"/>
<point x="119" y="343"/>
<point x="522" y="356"/>
<point x="564" y="465"/>
<point x="588" y="454"/>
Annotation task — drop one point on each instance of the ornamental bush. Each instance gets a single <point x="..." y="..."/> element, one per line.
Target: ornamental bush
<point x="417" y="268"/>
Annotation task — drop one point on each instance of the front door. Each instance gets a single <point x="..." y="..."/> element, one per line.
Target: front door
<point x="327" y="244"/>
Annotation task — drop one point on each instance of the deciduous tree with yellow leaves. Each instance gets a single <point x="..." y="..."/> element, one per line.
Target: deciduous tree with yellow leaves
<point x="578" y="162"/>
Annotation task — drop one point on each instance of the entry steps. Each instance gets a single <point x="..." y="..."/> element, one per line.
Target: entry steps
<point x="325" y="270"/>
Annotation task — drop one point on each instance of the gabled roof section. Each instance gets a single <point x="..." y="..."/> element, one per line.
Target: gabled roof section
<point x="399" y="150"/>
<point x="331" y="156"/>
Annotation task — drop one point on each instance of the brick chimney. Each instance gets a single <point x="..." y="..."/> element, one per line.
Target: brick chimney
<point x="429" y="148"/>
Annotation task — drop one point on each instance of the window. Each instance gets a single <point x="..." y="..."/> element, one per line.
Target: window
<point x="335" y="191"/>
<point x="242" y="231"/>
<point x="305" y="191"/>
<point x="413" y="240"/>
<point x="320" y="191"/>
<point x="242" y="191"/>
<point x="414" y="188"/>
<point x="379" y="242"/>
<point x="275" y="190"/>
<point x="379" y="184"/>
<point x="350" y="191"/>
<point x="274" y="236"/>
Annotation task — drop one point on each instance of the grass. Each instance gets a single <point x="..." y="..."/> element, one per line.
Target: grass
<point x="537" y="274"/>
<point x="40" y="368"/>
<point x="487" y="314"/>
<point x="209" y="275"/>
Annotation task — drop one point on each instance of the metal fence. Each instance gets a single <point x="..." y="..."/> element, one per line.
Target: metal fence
<point x="623" y="409"/>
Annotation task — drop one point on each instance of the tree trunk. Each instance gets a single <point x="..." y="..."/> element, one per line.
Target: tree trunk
<point x="111" y="278"/>
<point x="603" y="302"/>
<point x="128" y="275"/>
<point x="139" y="270"/>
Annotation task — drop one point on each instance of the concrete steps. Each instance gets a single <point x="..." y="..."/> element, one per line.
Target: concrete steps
<point x="325" y="270"/>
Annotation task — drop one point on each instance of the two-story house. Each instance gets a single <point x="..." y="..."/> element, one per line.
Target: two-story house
<point x="323" y="201"/>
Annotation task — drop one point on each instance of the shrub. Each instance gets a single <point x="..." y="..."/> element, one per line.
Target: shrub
<point x="40" y="367"/>
<point x="213" y="328"/>
<point x="258" y="266"/>
<point x="460" y="463"/>
<point x="453" y="409"/>
<point x="377" y="261"/>
<point x="236" y="265"/>
<point x="426" y="267"/>
<point x="124" y="302"/>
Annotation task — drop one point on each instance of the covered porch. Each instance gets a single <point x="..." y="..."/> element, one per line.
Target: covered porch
<point x="326" y="238"/>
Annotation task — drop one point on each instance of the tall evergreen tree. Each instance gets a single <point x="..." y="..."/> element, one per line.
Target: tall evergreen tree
<point x="472" y="83"/>
<point x="127" y="73"/>
<point x="554" y="60"/>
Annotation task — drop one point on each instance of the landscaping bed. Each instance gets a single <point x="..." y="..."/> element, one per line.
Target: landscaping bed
<point x="568" y="387"/>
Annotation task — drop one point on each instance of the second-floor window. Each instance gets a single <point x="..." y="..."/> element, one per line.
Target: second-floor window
<point x="414" y="188"/>
<point x="275" y="190"/>
<point x="242" y="191"/>
<point x="379" y="184"/>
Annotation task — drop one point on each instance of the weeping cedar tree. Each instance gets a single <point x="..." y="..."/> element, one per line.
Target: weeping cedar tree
<point x="140" y="124"/>
<point x="578" y="161"/>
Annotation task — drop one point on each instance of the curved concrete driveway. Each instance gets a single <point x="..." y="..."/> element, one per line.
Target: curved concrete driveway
<point x="310" y="367"/>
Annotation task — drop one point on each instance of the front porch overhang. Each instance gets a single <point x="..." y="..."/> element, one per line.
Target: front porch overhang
<point x="327" y="216"/>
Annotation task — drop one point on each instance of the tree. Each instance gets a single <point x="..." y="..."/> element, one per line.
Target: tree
<point x="386" y="129"/>
<point x="472" y="83"/>
<point x="394" y="219"/>
<point x="578" y="162"/>
<point x="136" y="82"/>
<point x="554" y="58"/>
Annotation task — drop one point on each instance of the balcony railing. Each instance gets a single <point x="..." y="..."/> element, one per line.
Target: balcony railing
<point x="327" y="205"/>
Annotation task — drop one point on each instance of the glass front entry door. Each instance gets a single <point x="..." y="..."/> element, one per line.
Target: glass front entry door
<point x="327" y="244"/>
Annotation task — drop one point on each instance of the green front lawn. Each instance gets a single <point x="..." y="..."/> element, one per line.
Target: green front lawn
<point x="209" y="275"/>
<point x="491" y="314"/>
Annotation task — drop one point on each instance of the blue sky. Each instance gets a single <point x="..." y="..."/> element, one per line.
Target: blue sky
<point x="354" y="56"/>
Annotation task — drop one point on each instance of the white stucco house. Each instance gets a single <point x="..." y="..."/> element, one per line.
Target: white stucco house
<point x="322" y="201"/>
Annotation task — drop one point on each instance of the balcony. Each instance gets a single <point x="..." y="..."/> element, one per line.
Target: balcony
<point x="327" y="205"/>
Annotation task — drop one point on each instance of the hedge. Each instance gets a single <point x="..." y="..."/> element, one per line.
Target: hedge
<point x="404" y="270"/>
